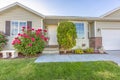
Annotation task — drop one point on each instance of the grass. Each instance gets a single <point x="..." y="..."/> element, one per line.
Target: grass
<point x="26" y="69"/>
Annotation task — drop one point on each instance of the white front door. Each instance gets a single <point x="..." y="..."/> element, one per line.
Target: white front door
<point x="111" y="39"/>
<point x="52" y="34"/>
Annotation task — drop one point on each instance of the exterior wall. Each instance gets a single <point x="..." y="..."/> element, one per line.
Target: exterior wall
<point x="96" y="41"/>
<point x="18" y="13"/>
<point x="80" y="43"/>
<point x="114" y="15"/>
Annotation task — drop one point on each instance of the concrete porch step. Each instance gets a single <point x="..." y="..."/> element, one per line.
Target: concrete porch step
<point x="50" y="51"/>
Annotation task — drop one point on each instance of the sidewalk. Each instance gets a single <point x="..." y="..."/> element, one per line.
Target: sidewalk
<point x="77" y="58"/>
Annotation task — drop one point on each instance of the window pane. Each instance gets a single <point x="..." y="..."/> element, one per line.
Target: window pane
<point x="80" y="30"/>
<point x="22" y="24"/>
<point x="14" y="27"/>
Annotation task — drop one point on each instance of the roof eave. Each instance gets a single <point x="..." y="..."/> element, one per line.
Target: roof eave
<point x="80" y="18"/>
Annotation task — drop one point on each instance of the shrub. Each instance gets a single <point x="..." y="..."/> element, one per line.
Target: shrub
<point x="66" y="35"/>
<point x="89" y="50"/>
<point x="3" y="40"/>
<point x="30" y="41"/>
<point x="79" y="51"/>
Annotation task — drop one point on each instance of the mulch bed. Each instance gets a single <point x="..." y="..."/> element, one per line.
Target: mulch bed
<point x="20" y="55"/>
<point x="72" y="52"/>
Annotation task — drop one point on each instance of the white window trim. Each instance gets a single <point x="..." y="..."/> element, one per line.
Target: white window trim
<point x="18" y="25"/>
<point x="95" y="29"/>
<point x="84" y="29"/>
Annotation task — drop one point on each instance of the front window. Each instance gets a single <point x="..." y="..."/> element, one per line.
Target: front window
<point x="16" y="27"/>
<point x="80" y="30"/>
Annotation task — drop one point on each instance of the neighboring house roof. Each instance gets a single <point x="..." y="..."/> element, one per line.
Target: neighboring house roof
<point x="110" y="12"/>
<point x="18" y="4"/>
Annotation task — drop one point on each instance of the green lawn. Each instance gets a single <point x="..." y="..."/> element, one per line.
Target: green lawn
<point x="26" y="69"/>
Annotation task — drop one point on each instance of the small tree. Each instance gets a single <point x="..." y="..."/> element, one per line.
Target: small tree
<point x="66" y="35"/>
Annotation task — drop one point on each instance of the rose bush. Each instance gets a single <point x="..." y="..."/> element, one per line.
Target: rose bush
<point x="3" y="40"/>
<point x="30" y="41"/>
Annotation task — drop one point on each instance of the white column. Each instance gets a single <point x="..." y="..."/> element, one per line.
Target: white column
<point x="42" y="24"/>
<point x="95" y="29"/>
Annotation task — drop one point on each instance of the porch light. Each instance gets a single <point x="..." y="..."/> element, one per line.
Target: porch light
<point x="98" y="29"/>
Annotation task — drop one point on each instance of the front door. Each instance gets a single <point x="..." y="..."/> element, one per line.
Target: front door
<point x="52" y="34"/>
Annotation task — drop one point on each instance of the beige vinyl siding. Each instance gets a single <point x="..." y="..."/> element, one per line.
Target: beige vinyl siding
<point x="114" y="15"/>
<point x="18" y="13"/>
<point x="106" y="25"/>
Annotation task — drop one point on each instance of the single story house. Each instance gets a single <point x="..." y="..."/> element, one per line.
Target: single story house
<point x="91" y="31"/>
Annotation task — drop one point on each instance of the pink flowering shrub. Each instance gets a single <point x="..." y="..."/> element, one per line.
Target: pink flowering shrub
<point x="30" y="41"/>
<point x="3" y="40"/>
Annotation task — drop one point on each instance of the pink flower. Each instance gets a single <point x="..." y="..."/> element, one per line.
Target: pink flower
<point x="45" y="30"/>
<point x="25" y="35"/>
<point x="13" y="43"/>
<point x="16" y="38"/>
<point x="23" y="27"/>
<point x="16" y="41"/>
<point x="30" y="45"/>
<point x="38" y="32"/>
<point x="19" y="34"/>
<point x="28" y="27"/>
<point x="39" y="29"/>
<point x="46" y="39"/>
<point x="33" y="39"/>
<point x="32" y="29"/>
<point x="42" y="36"/>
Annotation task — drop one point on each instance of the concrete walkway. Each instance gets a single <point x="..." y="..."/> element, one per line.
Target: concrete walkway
<point x="111" y="56"/>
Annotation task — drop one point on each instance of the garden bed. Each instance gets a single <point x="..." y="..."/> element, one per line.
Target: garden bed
<point x="73" y="52"/>
<point x="20" y="55"/>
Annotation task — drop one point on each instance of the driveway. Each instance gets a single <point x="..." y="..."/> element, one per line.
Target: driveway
<point x="111" y="56"/>
<point x="114" y="53"/>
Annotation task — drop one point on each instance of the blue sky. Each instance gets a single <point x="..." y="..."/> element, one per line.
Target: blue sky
<point x="91" y="8"/>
